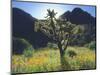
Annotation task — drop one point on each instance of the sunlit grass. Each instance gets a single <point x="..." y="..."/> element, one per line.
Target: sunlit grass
<point x="48" y="59"/>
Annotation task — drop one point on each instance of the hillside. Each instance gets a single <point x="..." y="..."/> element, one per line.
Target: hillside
<point x="81" y="17"/>
<point x="23" y="27"/>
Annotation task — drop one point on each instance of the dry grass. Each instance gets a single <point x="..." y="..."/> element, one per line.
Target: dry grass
<point x="49" y="60"/>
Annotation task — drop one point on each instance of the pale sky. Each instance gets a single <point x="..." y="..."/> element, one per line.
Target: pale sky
<point x="39" y="10"/>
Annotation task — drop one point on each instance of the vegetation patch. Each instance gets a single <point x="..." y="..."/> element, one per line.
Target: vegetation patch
<point x="47" y="59"/>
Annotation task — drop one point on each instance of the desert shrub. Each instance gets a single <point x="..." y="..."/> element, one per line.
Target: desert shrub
<point x="71" y="53"/>
<point x="91" y="45"/>
<point x="52" y="45"/>
<point x="28" y="53"/>
<point x="19" y="45"/>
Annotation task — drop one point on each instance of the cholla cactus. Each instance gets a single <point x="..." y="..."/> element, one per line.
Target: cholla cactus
<point x="58" y="30"/>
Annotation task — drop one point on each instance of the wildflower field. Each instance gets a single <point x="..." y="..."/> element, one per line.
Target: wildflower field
<point x="47" y="59"/>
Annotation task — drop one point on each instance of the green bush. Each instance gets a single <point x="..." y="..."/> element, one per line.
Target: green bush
<point x="71" y="53"/>
<point x="28" y="53"/>
<point x="91" y="45"/>
<point x="20" y="45"/>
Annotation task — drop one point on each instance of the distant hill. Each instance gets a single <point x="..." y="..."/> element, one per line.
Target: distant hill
<point x="78" y="16"/>
<point x="22" y="21"/>
<point x="23" y="27"/>
<point x="81" y="17"/>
